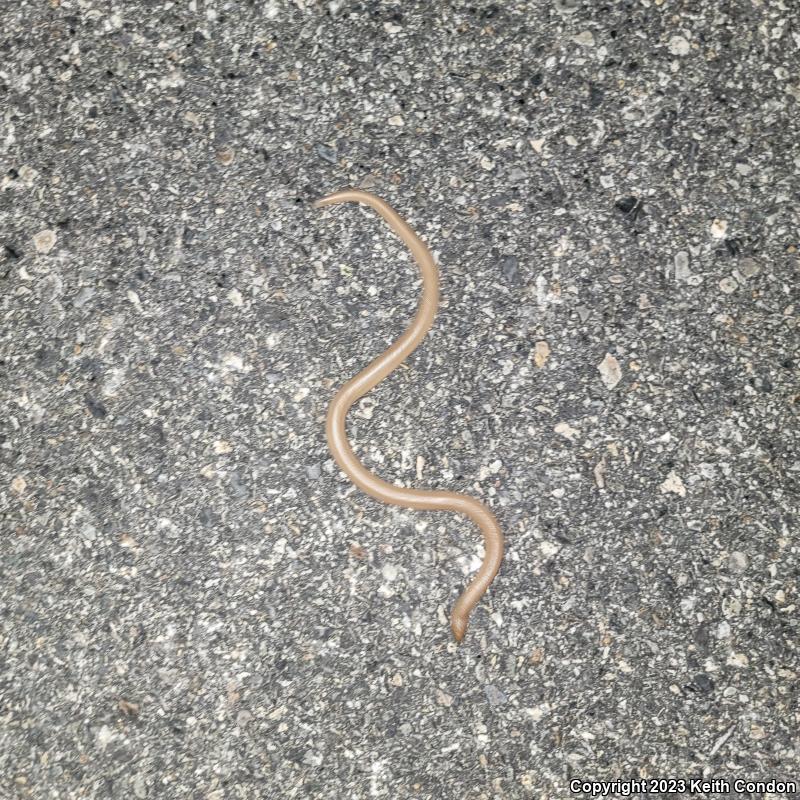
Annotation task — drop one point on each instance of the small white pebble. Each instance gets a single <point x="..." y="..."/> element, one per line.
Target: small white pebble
<point x="541" y="353"/>
<point x="232" y="361"/>
<point x="737" y="660"/>
<point x="728" y="285"/>
<point x="566" y="430"/>
<point x="396" y="121"/>
<point x="103" y="736"/>
<point x="536" y="713"/>
<point x="737" y="561"/>
<point x="678" y="46"/>
<point x="719" y="227"/>
<point x="600" y="474"/>
<point x="585" y="38"/>
<point x="731" y="607"/>
<point x="365" y="408"/>
<point x="537" y="145"/>
<point x="610" y="371"/>
<point x="673" y="484"/>
<point x="757" y="732"/>
<point x="44" y="241"/>
<point x="443" y="698"/>
<point x="27" y="174"/>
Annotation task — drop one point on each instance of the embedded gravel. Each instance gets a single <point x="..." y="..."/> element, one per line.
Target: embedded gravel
<point x="194" y="602"/>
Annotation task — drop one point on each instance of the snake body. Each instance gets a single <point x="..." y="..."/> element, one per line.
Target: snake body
<point x="370" y="377"/>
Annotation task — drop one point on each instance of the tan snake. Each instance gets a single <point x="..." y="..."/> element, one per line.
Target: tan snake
<point x="370" y="377"/>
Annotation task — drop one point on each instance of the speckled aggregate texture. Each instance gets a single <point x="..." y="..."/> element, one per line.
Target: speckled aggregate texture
<point x="194" y="603"/>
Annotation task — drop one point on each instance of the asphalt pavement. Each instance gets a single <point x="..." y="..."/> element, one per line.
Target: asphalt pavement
<point x="194" y="601"/>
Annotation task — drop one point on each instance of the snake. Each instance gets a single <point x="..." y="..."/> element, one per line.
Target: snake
<point x="369" y="378"/>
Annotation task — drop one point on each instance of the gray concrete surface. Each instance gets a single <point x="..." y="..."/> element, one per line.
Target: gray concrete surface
<point x="194" y="602"/>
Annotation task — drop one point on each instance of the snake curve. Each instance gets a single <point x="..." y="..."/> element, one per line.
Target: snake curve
<point x="370" y="377"/>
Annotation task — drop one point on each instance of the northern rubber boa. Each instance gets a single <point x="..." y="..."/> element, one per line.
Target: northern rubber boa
<point x="370" y="377"/>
